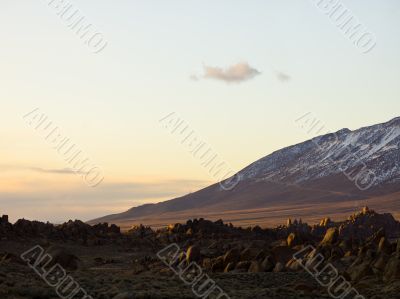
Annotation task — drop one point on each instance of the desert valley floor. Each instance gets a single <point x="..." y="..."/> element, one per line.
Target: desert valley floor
<point x="242" y="262"/>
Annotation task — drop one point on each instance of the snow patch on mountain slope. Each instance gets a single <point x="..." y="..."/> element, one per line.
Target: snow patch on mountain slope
<point x="375" y="147"/>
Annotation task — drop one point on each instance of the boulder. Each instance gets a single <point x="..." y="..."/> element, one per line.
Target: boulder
<point x="217" y="264"/>
<point x="189" y="232"/>
<point x="278" y="267"/>
<point x="331" y="237"/>
<point x="360" y="271"/>
<point x="207" y="263"/>
<point x="392" y="269"/>
<point x="291" y="240"/>
<point x="231" y="256"/>
<point x="268" y="264"/>
<point x="384" y="246"/>
<point x="245" y="255"/>
<point x="294" y="265"/>
<point x="193" y="254"/>
<point x="255" y="267"/>
<point x="325" y="222"/>
<point x="282" y="254"/>
<point x="243" y="266"/>
<point x="380" y="263"/>
<point x="230" y="267"/>
<point x="63" y="257"/>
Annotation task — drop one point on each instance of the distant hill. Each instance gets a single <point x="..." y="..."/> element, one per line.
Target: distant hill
<point x="332" y="174"/>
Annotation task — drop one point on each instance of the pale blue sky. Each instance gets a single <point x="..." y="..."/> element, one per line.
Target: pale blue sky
<point x="110" y="103"/>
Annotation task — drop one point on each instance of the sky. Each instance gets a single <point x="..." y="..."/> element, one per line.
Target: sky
<point x="239" y="73"/>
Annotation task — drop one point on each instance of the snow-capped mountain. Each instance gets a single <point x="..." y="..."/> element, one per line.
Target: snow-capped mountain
<point x="371" y="154"/>
<point x="332" y="174"/>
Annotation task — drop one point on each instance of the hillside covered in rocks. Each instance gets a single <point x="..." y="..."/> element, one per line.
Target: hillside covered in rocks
<point x="243" y="262"/>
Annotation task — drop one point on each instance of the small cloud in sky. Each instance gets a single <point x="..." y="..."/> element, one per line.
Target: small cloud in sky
<point x="58" y="171"/>
<point x="236" y="73"/>
<point x="38" y="169"/>
<point x="282" y="76"/>
<point x="194" y="78"/>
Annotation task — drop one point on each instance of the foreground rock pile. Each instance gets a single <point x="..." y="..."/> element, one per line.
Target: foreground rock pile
<point x="364" y="249"/>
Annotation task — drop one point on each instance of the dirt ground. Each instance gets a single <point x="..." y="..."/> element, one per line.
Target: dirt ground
<point x="116" y="271"/>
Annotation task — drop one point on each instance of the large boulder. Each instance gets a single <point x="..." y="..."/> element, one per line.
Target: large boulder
<point x="217" y="265"/>
<point x="231" y="256"/>
<point x="291" y="240"/>
<point x="243" y="266"/>
<point x="268" y="264"/>
<point x="64" y="258"/>
<point x="331" y="237"/>
<point x="294" y="265"/>
<point x="282" y="254"/>
<point x="193" y="254"/>
<point x="230" y="267"/>
<point x="392" y="269"/>
<point x="360" y="271"/>
<point x="279" y="267"/>
<point x="255" y="267"/>
<point x="384" y="246"/>
<point x="380" y="263"/>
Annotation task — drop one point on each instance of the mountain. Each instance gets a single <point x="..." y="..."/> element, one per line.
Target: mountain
<point x="332" y="174"/>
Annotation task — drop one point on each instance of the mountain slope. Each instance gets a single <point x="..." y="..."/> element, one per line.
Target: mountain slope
<point x="374" y="146"/>
<point x="342" y="168"/>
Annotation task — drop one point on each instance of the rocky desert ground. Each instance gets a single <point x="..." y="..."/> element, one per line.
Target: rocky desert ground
<point x="202" y="258"/>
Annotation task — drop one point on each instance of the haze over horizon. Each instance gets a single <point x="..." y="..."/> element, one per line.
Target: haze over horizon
<point x="240" y="89"/>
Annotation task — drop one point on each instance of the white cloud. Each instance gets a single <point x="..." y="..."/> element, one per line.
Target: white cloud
<point x="236" y="73"/>
<point x="194" y="78"/>
<point x="282" y="76"/>
<point x="5" y="167"/>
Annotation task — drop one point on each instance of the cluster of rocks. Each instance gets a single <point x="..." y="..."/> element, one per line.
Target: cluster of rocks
<point x="365" y="248"/>
<point x="371" y="262"/>
<point x="367" y="222"/>
<point x="77" y="231"/>
<point x="365" y="237"/>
